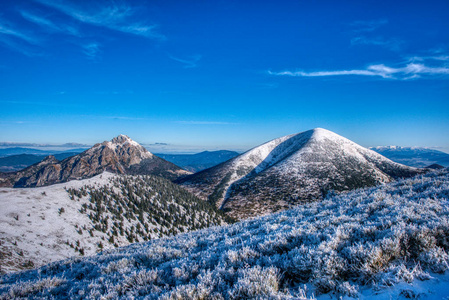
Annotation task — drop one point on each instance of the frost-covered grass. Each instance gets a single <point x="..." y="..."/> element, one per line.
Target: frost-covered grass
<point x="376" y="238"/>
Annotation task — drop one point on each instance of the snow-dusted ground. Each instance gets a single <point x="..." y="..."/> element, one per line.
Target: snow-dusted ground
<point x="34" y="231"/>
<point x="46" y="224"/>
<point x="387" y="242"/>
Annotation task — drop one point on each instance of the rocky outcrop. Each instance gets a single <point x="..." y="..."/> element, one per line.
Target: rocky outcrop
<point x="121" y="155"/>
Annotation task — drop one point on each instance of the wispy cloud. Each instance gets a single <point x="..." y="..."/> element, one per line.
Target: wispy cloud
<point x="364" y="34"/>
<point x="425" y="58"/>
<point x="91" y="50"/>
<point x="33" y="37"/>
<point x="48" y="24"/>
<point x="114" y="17"/>
<point x="18" y="40"/>
<point x="205" y="123"/>
<point x="8" y="30"/>
<point x="35" y="145"/>
<point x="190" y="62"/>
<point x="21" y="47"/>
<point x="368" y="26"/>
<point x="392" y="43"/>
<point x="410" y="71"/>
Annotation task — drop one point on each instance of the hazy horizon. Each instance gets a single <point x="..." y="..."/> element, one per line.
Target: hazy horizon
<point x="167" y="148"/>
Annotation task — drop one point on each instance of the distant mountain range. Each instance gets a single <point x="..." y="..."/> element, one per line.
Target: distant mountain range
<point x="292" y="169"/>
<point x="16" y="159"/>
<point x="199" y="161"/>
<point x="121" y="155"/>
<point x="19" y="150"/>
<point x="414" y="156"/>
<point x="19" y="162"/>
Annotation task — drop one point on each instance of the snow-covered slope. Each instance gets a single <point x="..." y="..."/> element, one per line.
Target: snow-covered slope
<point x="82" y="217"/>
<point x="292" y="169"/>
<point x="386" y="242"/>
<point x="121" y="155"/>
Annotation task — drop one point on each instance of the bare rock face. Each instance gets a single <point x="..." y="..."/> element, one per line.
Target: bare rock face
<point x="293" y="169"/>
<point x="121" y="155"/>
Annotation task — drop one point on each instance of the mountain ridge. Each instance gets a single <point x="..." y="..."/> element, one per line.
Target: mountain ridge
<point x="292" y="169"/>
<point x="121" y="155"/>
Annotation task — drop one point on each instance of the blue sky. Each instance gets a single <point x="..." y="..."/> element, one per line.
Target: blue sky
<point x="224" y="74"/>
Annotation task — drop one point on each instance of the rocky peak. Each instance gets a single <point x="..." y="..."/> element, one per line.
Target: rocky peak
<point x="121" y="155"/>
<point x="121" y="139"/>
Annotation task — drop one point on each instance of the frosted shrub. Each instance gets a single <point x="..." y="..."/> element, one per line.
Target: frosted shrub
<point x="191" y="292"/>
<point x="256" y="282"/>
<point x="121" y="266"/>
<point x="324" y="284"/>
<point x="404" y="274"/>
<point x="300" y="264"/>
<point x="240" y="257"/>
<point x="436" y="259"/>
<point x="391" y="248"/>
<point x="181" y="274"/>
<point x="345" y="288"/>
<point x="25" y="289"/>
<point x="302" y="294"/>
<point x="140" y="282"/>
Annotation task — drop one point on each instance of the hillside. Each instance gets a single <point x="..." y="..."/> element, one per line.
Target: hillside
<point x="414" y="156"/>
<point x="199" y="161"/>
<point x="121" y="155"/>
<point x="82" y="217"/>
<point x="293" y="169"/>
<point x="386" y="242"/>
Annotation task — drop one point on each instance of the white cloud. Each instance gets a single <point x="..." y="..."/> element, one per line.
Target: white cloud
<point x="410" y="71"/>
<point x="114" y="17"/>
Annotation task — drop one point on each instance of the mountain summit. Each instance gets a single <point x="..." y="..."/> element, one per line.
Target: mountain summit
<point x="121" y="155"/>
<point x="292" y="169"/>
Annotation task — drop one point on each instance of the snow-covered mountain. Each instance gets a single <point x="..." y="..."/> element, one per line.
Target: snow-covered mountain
<point x="121" y="155"/>
<point x="81" y="217"/>
<point x="292" y="169"/>
<point x="386" y="242"/>
<point x="414" y="156"/>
